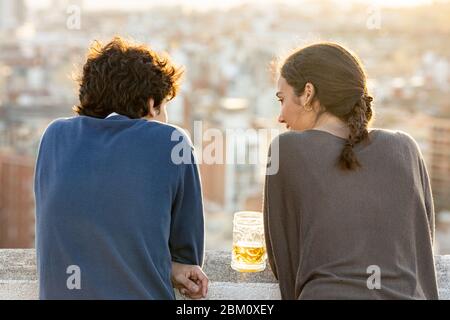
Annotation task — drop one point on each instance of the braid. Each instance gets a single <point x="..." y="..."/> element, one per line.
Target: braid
<point x="357" y="121"/>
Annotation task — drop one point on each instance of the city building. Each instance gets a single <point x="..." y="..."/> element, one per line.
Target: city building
<point x="440" y="163"/>
<point x="12" y="14"/>
<point x="16" y="201"/>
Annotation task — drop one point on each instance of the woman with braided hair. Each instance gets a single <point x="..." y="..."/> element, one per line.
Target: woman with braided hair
<point x="349" y="214"/>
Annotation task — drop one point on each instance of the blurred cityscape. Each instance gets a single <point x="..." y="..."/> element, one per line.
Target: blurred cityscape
<point x="228" y="83"/>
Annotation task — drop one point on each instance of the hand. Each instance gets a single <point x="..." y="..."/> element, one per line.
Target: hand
<point x="190" y="280"/>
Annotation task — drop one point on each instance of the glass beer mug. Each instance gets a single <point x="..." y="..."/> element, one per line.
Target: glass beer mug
<point x="249" y="249"/>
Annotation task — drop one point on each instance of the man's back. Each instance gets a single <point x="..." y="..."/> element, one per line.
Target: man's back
<point x="110" y="203"/>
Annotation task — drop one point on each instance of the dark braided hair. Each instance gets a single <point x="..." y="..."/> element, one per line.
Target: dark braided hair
<point x="340" y="85"/>
<point x="357" y="121"/>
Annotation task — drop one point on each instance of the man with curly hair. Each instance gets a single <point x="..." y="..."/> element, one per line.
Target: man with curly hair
<point x="116" y="216"/>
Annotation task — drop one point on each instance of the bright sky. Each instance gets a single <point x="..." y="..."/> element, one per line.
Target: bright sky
<point x="205" y="4"/>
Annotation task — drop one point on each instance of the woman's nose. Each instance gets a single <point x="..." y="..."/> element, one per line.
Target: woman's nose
<point x="280" y="119"/>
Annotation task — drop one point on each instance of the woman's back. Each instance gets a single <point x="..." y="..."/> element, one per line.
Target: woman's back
<point x="329" y="230"/>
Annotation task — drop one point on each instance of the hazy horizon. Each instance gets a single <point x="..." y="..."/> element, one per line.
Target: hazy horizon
<point x="207" y="4"/>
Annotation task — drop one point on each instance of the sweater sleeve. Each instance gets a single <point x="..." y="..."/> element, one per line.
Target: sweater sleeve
<point x="187" y="225"/>
<point x="428" y="196"/>
<point x="281" y="217"/>
<point x="425" y="182"/>
<point x="267" y="235"/>
<point x="274" y="221"/>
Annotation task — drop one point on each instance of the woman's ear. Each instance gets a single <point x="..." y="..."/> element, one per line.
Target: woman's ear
<point x="310" y="92"/>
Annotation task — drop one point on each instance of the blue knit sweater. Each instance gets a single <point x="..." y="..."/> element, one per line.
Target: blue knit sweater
<point x="113" y="208"/>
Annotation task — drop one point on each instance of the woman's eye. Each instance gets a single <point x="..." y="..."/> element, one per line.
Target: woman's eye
<point x="280" y="100"/>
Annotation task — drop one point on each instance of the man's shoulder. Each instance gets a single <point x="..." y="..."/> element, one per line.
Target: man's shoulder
<point x="57" y="123"/>
<point x="173" y="132"/>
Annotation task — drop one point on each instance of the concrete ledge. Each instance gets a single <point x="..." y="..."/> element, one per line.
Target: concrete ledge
<point x="18" y="279"/>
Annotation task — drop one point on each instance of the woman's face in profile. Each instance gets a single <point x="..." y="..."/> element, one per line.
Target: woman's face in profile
<point x="293" y="112"/>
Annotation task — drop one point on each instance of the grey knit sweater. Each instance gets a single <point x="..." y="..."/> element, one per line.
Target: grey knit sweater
<point x="332" y="234"/>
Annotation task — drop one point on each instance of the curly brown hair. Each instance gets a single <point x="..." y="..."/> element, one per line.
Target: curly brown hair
<point x="122" y="77"/>
<point x="341" y="88"/>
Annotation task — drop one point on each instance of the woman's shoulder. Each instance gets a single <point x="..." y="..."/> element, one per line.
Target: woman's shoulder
<point x="398" y="137"/>
<point x="296" y="137"/>
<point x="392" y="135"/>
<point x="382" y="139"/>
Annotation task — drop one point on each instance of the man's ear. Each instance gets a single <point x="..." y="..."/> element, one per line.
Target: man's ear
<point x="151" y="108"/>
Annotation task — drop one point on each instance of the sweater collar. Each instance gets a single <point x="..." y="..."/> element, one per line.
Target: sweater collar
<point x="115" y="115"/>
